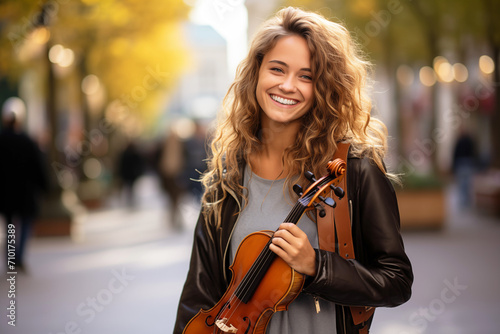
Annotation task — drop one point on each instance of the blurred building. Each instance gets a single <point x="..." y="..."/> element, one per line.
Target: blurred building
<point x="258" y="12"/>
<point x="200" y="91"/>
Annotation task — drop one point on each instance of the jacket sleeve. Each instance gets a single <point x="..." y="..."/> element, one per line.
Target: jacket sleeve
<point x="204" y="285"/>
<point x="381" y="274"/>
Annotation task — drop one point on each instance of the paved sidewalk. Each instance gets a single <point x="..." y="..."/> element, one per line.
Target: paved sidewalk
<point x="456" y="280"/>
<point x="124" y="272"/>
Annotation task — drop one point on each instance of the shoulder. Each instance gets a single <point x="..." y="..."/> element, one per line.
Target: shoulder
<point x="362" y="165"/>
<point x="17" y="139"/>
<point x="363" y="172"/>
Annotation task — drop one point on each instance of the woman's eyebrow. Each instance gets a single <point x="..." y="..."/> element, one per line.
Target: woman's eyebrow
<point x="286" y="65"/>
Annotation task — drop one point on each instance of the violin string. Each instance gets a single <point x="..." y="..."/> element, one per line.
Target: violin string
<point x="260" y="263"/>
<point x="251" y="275"/>
<point x="261" y="260"/>
<point x="296" y="213"/>
<point x="253" y="271"/>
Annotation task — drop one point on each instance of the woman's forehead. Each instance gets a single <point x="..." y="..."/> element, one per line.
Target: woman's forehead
<point x="291" y="50"/>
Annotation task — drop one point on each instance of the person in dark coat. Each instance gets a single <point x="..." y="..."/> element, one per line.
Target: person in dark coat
<point x="22" y="179"/>
<point x="464" y="166"/>
<point x="131" y="166"/>
<point x="171" y="167"/>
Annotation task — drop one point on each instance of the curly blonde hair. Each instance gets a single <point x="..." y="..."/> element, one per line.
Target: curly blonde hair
<point x="340" y="111"/>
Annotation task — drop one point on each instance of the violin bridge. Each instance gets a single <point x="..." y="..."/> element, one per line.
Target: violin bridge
<point x="221" y="323"/>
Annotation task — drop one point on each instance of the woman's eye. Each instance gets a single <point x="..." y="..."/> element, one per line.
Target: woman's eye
<point x="307" y="77"/>
<point x="277" y="69"/>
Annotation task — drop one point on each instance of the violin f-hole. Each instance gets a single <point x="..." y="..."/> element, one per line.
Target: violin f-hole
<point x="218" y="314"/>
<point x="249" y="324"/>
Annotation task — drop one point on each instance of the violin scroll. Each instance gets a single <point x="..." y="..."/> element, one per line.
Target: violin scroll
<point x="336" y="167"/>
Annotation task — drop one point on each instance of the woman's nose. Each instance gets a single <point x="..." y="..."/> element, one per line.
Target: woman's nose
<point x="288" y="85"/>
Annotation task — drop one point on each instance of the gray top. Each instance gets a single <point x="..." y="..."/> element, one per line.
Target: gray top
<point x="268" y="206"/>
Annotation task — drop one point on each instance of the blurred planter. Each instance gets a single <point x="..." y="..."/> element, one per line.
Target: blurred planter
<point x="486" y="188"/>
<point x="422" y="203"/>
<point x="92" y="193"/>
<point x="55" y="219"/>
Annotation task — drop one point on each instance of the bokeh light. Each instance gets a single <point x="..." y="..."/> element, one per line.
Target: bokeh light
<point x="445" y="72"/>
<point x="92" y="168"/>
<point x="56" y="53"/>
<point x="486" y="64"/>
<point x="41" y="35"/>
<point x="443" y="69"/>
<point x="438" y="61"/>
<point x="61" y="56"/>
<point x="184" y="128"/>
<point x="91" y="84"/>
<point x="427" y="76"/>
<point x="460" y="72"/>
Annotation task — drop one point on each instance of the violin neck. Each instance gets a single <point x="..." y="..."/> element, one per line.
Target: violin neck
<point x="295" y="214"/>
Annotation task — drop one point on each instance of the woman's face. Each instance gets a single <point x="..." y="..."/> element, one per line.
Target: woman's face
<point x="285" y="89"/>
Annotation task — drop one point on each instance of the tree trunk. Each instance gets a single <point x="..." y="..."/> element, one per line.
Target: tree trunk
<point x="430" y="25"/>
<point x="491" y="14"/>
<point x="495" y="121"/>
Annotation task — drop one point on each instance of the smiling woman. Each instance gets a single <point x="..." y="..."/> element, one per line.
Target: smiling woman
<point x="285" y="90"/>
<point x="297" y="98"/>
<point x="285" y="94"/>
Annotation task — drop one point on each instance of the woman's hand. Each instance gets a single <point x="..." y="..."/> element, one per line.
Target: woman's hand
<point x="292" y="245"/>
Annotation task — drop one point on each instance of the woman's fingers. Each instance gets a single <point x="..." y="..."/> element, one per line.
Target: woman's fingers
<point x="292" y="245"/>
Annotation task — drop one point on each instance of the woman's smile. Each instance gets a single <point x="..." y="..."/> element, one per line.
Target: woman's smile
<point x="282" y="100"/>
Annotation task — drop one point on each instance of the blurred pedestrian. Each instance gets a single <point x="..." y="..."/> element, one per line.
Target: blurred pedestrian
<point x="131" y="166"/>
<point x="22" y="178"/>
<point x="464" y="165"/>
<point x="171" y="164"/>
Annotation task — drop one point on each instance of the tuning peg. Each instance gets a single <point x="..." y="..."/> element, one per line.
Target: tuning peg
<point x="321" y="209"/>
<point x="339" y="192"/>
<point x="310" y="176"/>
<point x="328" y="201"/>
<point x="298" y="189"/>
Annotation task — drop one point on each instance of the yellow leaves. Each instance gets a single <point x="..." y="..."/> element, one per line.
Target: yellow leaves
<point x="119" y="46"/>
<point x="116" y="13"/>
<point x="137" y="53"/>
<point x="120" y="15"/>
<point x="138" y="72"/>
<point x="362" y="8"/>
<point x="124" y="62"/>
<point x="307" y="4"/>
<point x="134" y="48"/>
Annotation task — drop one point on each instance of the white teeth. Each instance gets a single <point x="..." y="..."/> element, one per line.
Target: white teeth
<point x="282" y="100"/>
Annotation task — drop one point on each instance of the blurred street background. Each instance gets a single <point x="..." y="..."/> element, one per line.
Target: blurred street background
<point x="106" y="107"/>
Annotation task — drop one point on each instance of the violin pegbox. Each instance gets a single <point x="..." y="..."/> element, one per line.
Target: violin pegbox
<point x="319" y="189"/>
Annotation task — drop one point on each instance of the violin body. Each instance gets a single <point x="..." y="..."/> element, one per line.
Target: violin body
<point x="277" y="289"/>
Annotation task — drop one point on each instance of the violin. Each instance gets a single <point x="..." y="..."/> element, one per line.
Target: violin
<point x="262" y="283"/>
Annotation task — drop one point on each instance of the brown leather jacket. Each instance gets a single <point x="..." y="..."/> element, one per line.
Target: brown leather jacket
<point x="381" y="274"/>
